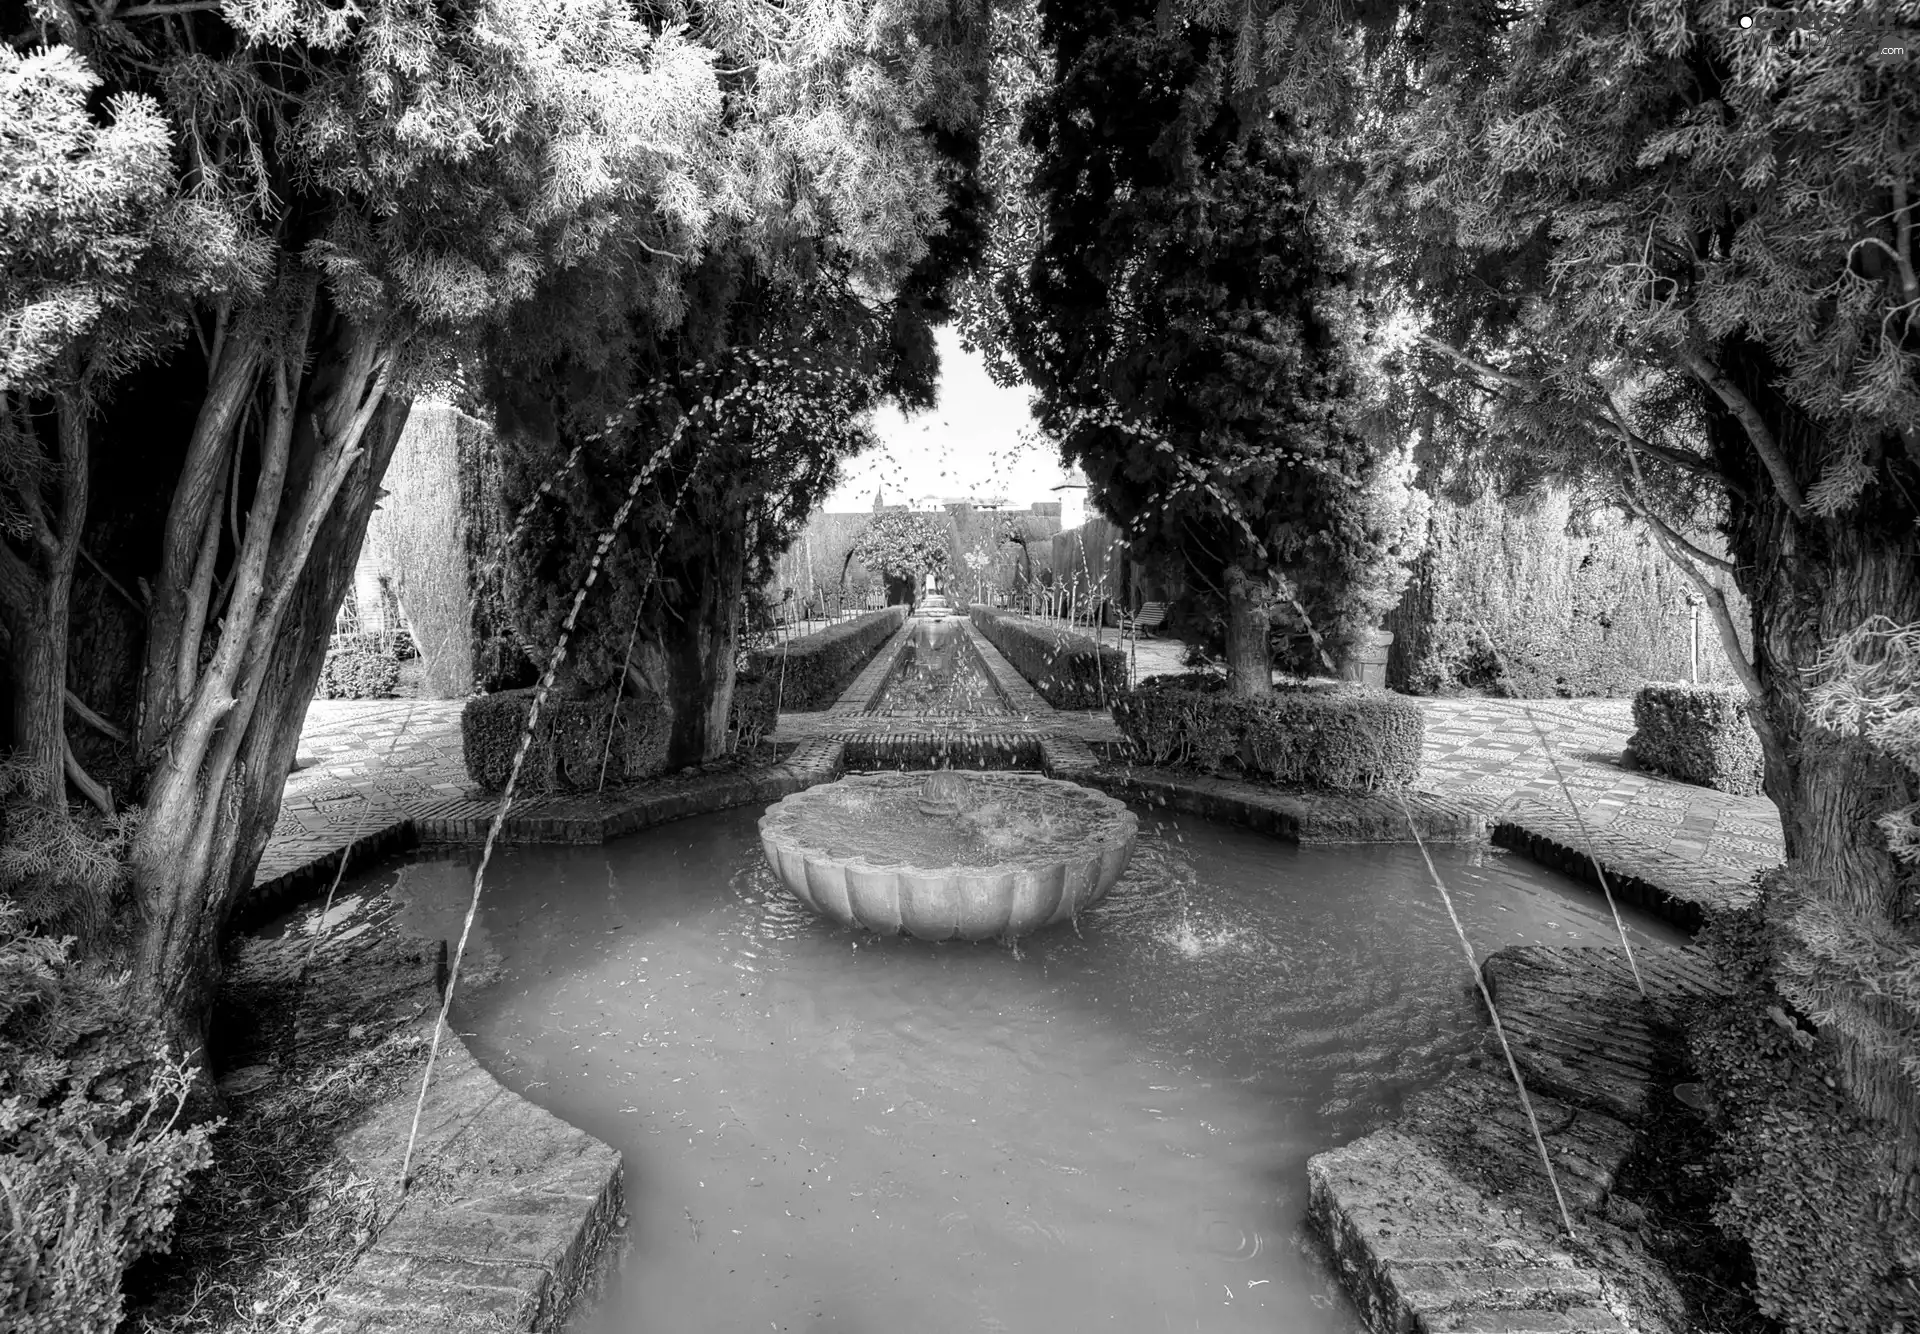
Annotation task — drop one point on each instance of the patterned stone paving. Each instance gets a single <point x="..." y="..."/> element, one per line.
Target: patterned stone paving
<point x="370" y="765"/>
<point x="1488" y="751"/>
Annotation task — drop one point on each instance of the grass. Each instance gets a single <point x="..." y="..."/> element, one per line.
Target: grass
<point x="280" y="1215"/>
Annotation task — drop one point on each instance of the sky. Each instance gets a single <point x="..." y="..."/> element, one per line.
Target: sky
<point x="978" y="441"/>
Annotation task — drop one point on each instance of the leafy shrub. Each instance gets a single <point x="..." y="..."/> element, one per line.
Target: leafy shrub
<point x="569" y="743"/>
<point x="812" y="671"/>
<point x="92" y="1165"/>
<point x="358" y="673"/>
<point x="1699" y="734"/>
<point x="1069" y="670"/>
<point x="1803" y="1171"/>
<point x="1330" y="736"/>
<point x="751" y="715"/>
<point x="397" y="644"/>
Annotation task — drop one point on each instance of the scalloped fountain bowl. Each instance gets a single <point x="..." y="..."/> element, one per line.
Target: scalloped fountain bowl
<point x="949" y="853"/>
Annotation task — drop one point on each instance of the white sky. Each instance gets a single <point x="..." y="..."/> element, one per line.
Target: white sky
<point x="977" y="441"/>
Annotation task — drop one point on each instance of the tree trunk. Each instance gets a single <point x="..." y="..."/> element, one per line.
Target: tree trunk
<point x="1249" y="659"/>
<point x="212" y="800"/>
<point x="689" y="660"/>
<point x="1810" y="580"/>
<point x="1411" y="621"/>
<point x="35" y="593"/>
<point x="39" y="649"/>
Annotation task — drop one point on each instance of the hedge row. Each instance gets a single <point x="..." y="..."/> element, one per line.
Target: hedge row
<point x="1069" y="670"/>
<point x="1342" y="737"/>
<point x="819" y="667"/>
<point x="1699" y="734"/>
<point x="569" y="741"/>
<point x="358" y="673"/>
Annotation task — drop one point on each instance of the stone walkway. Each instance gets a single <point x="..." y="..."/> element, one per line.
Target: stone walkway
<point x="366" y="764"/>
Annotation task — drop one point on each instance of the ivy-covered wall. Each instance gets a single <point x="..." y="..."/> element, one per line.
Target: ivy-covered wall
<point x="1546" y="597"/>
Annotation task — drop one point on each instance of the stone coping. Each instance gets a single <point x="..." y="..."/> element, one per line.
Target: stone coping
<point x="858" y="697"/>
<point x="510" y="1206"/>
<point x="1444" y="1221"/>
<point x="1366" y="1197"/>
<point x="545" y="819"/>
<point x="1302" y="816"/>
<point x="1685" y="893"/>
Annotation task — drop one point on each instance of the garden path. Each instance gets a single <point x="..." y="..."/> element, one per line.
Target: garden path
<point x="367" y="764"/>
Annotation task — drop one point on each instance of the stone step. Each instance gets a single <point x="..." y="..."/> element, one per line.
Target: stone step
<point x="1579" y="1028"/>
<point x="1475" y="1117"/>
<point x="1421" y="1248"/>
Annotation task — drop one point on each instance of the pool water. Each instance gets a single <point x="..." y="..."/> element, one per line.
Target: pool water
<point x="1109" y="1130"/>
<point x="939" y="674"/>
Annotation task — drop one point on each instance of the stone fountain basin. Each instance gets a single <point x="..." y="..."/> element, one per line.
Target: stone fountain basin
<point x="837" y="848"/>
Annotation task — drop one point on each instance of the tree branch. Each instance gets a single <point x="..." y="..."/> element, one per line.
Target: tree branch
<point x="199" y="594"/>
<point x="89" y="788"/>
<point x="1616" y="422"/>
<point x="160" y="11"/>
<point x="1673" y="536"/>
<point x="113" y="583"/>
<point x="1717" y="606"/>
<point x="77" y="707"/>
<point x="1480" y="367"/>
<point x="1903" y="232"/>
<point x="1756" y="427"/>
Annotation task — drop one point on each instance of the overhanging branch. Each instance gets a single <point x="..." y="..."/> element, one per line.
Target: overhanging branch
<point x="1755" y="426"/>
<point x="1715" y="599"/>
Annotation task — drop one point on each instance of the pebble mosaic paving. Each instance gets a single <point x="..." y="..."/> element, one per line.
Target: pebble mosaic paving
<point x="367" y="764"/>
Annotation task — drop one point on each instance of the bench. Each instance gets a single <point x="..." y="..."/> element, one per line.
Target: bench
<point x="1147" y="619"/>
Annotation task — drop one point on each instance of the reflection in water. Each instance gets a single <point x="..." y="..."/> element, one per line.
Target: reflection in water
<point x="826" y="1127"/>
<point x="940" y="674"/>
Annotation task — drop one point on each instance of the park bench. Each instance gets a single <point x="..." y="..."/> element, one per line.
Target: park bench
<point x="1146" y="620"/>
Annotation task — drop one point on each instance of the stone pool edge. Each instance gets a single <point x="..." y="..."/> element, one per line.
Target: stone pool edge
<point x="392" y="1289"/>
<point x="517" y="1256"/>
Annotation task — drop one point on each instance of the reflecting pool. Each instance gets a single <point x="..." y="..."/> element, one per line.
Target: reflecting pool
<point x="827" y="1129"/>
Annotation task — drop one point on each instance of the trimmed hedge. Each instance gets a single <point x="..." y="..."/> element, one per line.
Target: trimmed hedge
<point x="1337" y="736"/>
<point x="358" y="673"/>
<point x="1699" y="734"/>
<point x="569" y="741"/>
<point x="819" y="667"/>
<point x="1069" y="670"/>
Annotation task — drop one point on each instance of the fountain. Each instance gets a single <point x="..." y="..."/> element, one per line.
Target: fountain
<point x="949" y="852"/>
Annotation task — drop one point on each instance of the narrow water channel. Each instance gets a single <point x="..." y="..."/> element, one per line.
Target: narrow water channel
<point x="940" y="675"/>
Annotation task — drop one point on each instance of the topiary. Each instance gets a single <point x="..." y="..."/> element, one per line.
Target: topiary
<point x="1699" y="734"/>
<point x="1340" y="737"/>
<point x="358" y="673"/>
